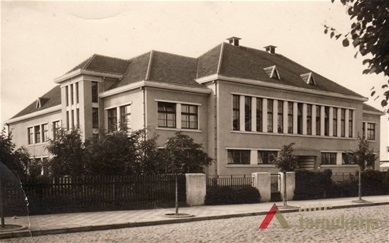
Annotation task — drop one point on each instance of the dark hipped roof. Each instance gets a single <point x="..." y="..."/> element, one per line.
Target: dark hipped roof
<point x="248" y="63"/>
<point x="163" y="67"/>
<point x="50" y="99"/>
<point x="103" y="64"/>
<point x="225" y="59"/>
<point x="367" y="107"/>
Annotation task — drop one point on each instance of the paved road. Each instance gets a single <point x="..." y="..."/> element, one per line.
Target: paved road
<point x="365" y="224"/>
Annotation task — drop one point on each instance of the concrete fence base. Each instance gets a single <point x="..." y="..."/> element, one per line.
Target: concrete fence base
<point x="290" y="185"/>
<point x="195" y="189"/>
<point x="261" y="181"/>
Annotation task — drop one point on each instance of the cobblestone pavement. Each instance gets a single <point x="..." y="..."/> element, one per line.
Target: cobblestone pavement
<point x="363" y="224"/>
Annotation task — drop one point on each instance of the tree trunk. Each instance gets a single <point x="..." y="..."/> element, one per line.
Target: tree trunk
<point x="176" y="196"/>
<point x="285" y="195"/>
<point x="359" y="184"/>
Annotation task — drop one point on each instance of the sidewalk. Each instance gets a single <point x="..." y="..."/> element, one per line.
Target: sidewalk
<point x="79" y="222"/>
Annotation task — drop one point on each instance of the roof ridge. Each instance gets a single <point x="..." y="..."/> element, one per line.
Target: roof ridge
<point x="219" y="65"/>
<point x="174" y="54"/>
<point x="88" y="62"/>
<point x="117" y="58"/>
<point x="149" y="65"/>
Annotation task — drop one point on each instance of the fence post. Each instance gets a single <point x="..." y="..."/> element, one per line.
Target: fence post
<point x="290" y="184"/>
<point x="195" y="189"/>
<point x="262" y="181"/>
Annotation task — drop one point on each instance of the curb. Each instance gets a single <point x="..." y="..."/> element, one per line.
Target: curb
<point x="27" y="233"/>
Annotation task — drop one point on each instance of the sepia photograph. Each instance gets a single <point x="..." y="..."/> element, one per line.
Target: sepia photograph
<point x="194" y="121"/>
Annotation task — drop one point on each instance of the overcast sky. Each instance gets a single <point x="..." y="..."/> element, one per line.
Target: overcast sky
<point x="43" y="40"/>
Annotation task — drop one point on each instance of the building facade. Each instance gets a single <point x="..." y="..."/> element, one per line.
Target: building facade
<point x="240" y="103"/>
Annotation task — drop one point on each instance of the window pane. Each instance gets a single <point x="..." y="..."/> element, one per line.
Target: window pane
<point x="45" y="130"/>
<point x="37" y="131"/>
<point x="95" y="117"/>
<point x="167" y="114"/>
<point x="334" y="122"/>
<point x="95" y="92"/>
<point x="259" y="115"/>
<point x="238" y="156"/>
<point x="300" y="118"/>
<point x="318" y="120"/>
<point x="247" y="113"/>
<point x="112" y="120"/>
<point x="235" y="112"/>
<point x="280" y="122"/>
<point x="309" y="119"/>
<point x="269" y="115"/>
<point x="290" y="117"/>
<point x="189" y="117"/>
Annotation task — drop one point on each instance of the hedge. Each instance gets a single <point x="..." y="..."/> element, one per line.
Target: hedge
<point x="218" y="195"/>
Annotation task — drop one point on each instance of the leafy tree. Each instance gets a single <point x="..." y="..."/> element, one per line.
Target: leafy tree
<point x="183" y="155"/>
<point x="15" y="160"/>
<point x="148" y="158"/>
<point x="370" y="35"/>
<point x="68" y="151"/>
<point x="286" y="161"/>
<point x="363" y="157"/>
<point x="111" y="154"/>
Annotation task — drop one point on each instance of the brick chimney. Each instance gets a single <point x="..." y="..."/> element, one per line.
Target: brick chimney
<point x="234" y="40"/>
<point x="271" y="49"/>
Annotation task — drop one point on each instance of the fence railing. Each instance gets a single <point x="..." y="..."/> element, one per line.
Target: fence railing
<point x="233" y="180"/>
<point x="90" y="193"/>
<point x="342" y="176"/>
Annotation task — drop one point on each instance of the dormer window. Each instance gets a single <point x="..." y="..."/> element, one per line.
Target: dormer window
<point x="272" y="72"/>
<point x="308" y="78"/>
<point x="38" y="103"/>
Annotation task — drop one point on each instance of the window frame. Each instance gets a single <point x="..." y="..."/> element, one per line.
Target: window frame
<point x="236" y="112"/>
<point x="165" y="112"/>
<point x="244" y="154"/>
<point x="188" y="114"/>
<point x="270" y="112"/>
<point x="290" y="117"/>
<point x="328" y="158"/>
<point x="280" y="116"/>
<point x="112" y="119"/>
<point x="259" y="115"/>
<point x="266" y="159"/>
<point x="309" y="119"/>
<point x="334" y="121"/>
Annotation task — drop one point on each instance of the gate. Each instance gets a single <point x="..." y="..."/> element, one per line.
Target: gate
<point x="275" y="187"/>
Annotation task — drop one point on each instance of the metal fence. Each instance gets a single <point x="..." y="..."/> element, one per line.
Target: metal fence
<point x="233" y="180"/>
<point x="342" y="176"/>
<point x="95" y="193"/>
<point x="275" y="183"/>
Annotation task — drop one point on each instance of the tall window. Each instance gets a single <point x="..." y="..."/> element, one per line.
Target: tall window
<point x="37" y="131"/>
<point x="67" y="120"/>
<point x="71" y="94"/>
<point x="95" y="92"/>
<point x="259" y="115"/>
<point x="318" y="120"/>
<point x="125" y="117"/>
<point x="350" y="123"/>
<point x="235" y="112"/>
<point x="166" y="114"/>
<point x="67" y="95"/>
<point x="326" y="120"/>
<point x="30" y="137"/>
<point x="112" y="120"/>
<point x="77" y="93"/>
<point x="95" y="117"/>
<point x="238" y="156"/>
<point x="269" y="115"/>
<point x="328" y="158"/>
<point x="247" y="113"/>
<point x="370" y="131"/>
<point x="45" y="132"/>
<point x="189" y="117"/>
<point x="343" y="122"/>
<point x="266" y="157"/>
<point x="290" y="117"/>
<point x="280" y="120"/>
<point x="300" y="118"/>
<point x="56" y="127"/>
<point x="309" y="119"/>
<point x="335" y="122"/>
<point x="78" y="117"/>
<point x="363" y="130"/>
<point x="72" y="118"/>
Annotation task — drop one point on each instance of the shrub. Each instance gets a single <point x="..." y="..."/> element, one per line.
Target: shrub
<point x="217" y="195"/>
<point x="374" y="183"/>
<point x="312" y="185"/>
